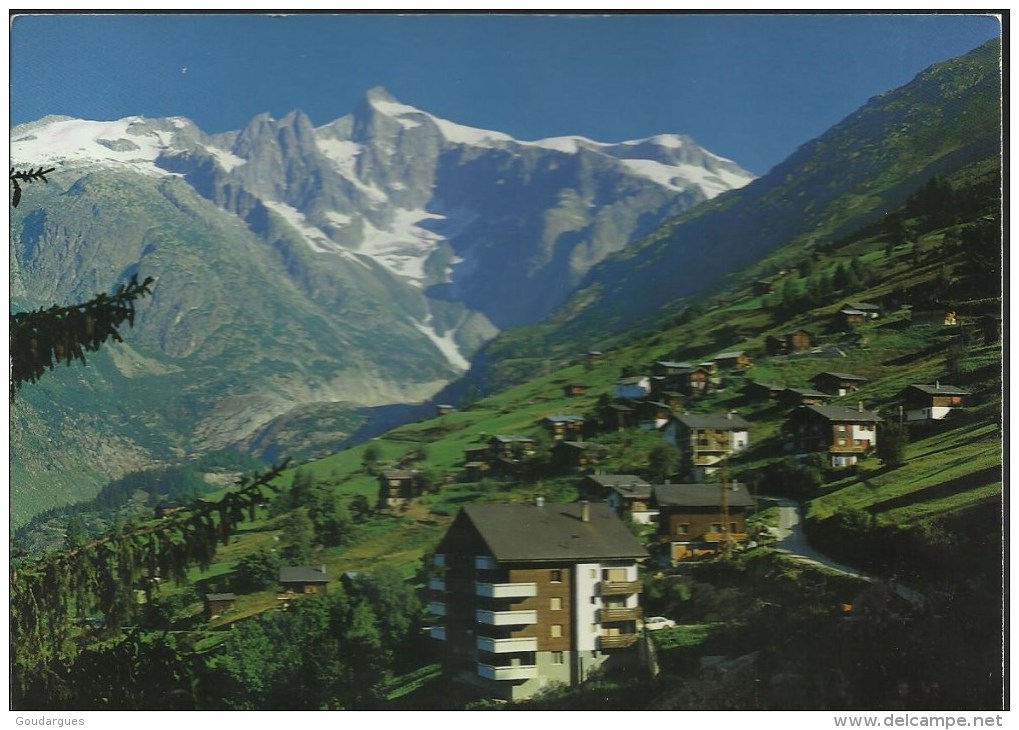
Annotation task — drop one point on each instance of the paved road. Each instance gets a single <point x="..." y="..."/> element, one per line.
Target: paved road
<point x="792" y="541"/>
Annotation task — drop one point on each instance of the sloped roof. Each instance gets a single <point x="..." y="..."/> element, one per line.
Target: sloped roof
<point x="582" y="445"/>
<point x="718" y="421"/>
<point x="636" y="380"/>
<point x="553" y="532"/>
<point x="865" y="306"/>
<point x="304" y="574"/>
<point x="513" y="439"/>
<point x="701" y="495"/>
<point x="673" y="364"/>
<point x="844" y="415"/>
<point x="729" y="355"/>
<point x="397" y="474"/>
<point x="808" y="393"/>
<point x="768" y="386"/>
<point x="939" y="389"/>
<point x="564" y="419"/>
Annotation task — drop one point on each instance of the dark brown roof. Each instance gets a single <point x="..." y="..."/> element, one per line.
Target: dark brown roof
<point x="701" y="495"/>
<point x="553" y="532"/>
<point x="719" y="421"/>
<point x="304" y="574"/>
<point x="610" y="481"/>
<point x="939" y="389"/>
<point x="581" y="445"/>
<point x="808" y="393"/>
<point x="841" y="414"/>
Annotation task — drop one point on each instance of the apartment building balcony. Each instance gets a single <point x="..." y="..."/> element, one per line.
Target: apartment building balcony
<point x="505" y="646"/>
<point x="437" y="632"/>
<point x="610" y="615"/>
<point x="621" y="588"/>
<point x="506" y="590"/>
<point x="723" y="536"/>
<point x="437" y="584"/>
<point x="438" y="608"/>
<point x="484" y="562"/>
<point x="524" y="671"/>
<point x="617" y="641"/>
<point x="506" y="618"/>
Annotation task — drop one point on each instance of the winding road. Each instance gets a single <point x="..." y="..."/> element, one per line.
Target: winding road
<point x="792" y="541"/>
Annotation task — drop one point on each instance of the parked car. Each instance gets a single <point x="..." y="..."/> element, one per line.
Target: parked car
<point x="654" y="623"/>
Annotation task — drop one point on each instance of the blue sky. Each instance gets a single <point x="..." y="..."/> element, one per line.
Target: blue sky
<point x="748" y="87"/>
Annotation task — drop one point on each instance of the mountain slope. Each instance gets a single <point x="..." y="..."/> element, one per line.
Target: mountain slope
<point x="864" y="167"/>
<point x="303" y="274"/>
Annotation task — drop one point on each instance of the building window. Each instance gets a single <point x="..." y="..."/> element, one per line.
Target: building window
<point x="841" y="442"/>
<point x="557" y="657"/>
<point x="683" y="528"/>
<point x="556" y="603"/>
<point x="716" y="526"/>
<point x="556" y="576"/>
<point x="557" y="631"/>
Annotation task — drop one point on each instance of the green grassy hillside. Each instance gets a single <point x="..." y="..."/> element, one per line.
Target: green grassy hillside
<point x="950" y="472"/>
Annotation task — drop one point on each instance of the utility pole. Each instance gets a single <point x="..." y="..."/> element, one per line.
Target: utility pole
<point x="726" y="534"/>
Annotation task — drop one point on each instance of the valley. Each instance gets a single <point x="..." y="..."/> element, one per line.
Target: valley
<point x="861" y="292"/>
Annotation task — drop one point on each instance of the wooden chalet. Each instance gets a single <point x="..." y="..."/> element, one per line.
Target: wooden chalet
<point x="397" y="487"/>
<point x="837" y="384"/>
<point x="628" y="494"/>
<point x="563" y="427"/>
<point x="789" y="342"/>
<point x="928" y="403"/>
<point x="574" y="390"/>
<point x="216" y="604"/>
<point x="735" y="360"/>
<point x="511" y="448"/>
<point x="762" y="391"/>
<point x="848" y="318"/>
<point x="803" y="397"/>
<point x="443" y="409"/>
<point x="598" y="487"/>
<point x="670" y="367"/>
<point x="652" y="414"/>
<point x="763" y="286"/>
<point x="304" y="579"/>
<point x="844" y="434"/>
<point x="707" y="439"/>
<point x="693" y="381"/>
<point x="632" y="500"/>
<point x="619" y="416"/>
<point x="697" y="520"/>
<point x="575" y="454"/>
